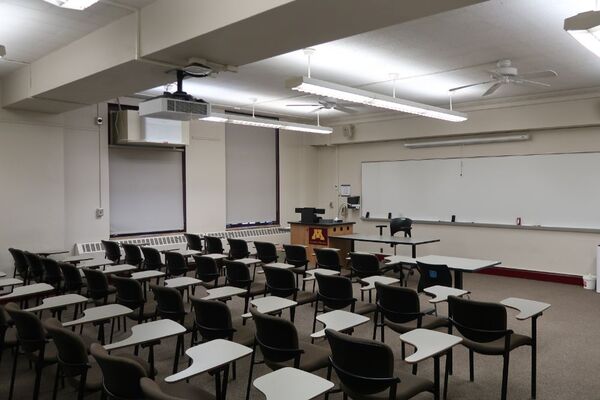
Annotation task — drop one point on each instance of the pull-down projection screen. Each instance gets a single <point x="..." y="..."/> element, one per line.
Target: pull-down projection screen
<point x="146" y="190"/>
<point x="558" y="190"/>
<point x="251" y="154"/>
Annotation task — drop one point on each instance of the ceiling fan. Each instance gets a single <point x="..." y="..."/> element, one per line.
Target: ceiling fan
<point x="327" y="103"/>
<point x="505" y="74"/>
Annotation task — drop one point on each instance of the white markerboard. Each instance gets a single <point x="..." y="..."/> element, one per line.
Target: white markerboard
<point x="559" y="190"/>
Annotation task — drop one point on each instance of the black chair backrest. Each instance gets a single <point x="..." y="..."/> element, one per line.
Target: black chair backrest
<point x="129" y="292"/>
<point x="477" y="320"/>
<point x="176" y="264"/>
<point x="266" y="252"/>
<point x="20" y="262"/>
<point x="213" y="319"/>
<point x="152" y="391"/>
<point x="112" y="251"/>
<point x="120" y="376"/>
<point x="194" y="242"/>
<point x="328" y="259"/>
<point x="152" y="258"/>
<point x="238" y="248"/>
<point x="206" y="268"/>
<point x="295" y="255"/>
<point x="401" y="225"/>
<point x="97" y="283"/>
<point x="72" y="277"/>
<point x="30" y="332"/>
<point x="280" y="282"/>
<point x="133" y="254"/>
<point x="363" y="366"/>
<point x="36" y="266"/>
<point x="213" y="245"/>
<point x="364" y="264"/>
<point x="433" y="274"/>
<point x="52" y="272"/>
<point x="276" y="337"/>
<point x="237" y="274"/>
<point x="72" y="351"/>
<point x="169" y="303"/>
<point x="335" y="291"/>
<point x="397" y="304"/>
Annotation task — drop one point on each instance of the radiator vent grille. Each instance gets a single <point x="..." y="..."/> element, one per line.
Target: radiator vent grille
<point x="268" y="234"/>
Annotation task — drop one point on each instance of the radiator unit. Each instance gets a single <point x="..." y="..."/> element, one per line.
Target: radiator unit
<point x="272" y="234"/>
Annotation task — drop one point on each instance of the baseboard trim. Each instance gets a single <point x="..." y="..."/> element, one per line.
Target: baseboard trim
<point x="534" y="275"/>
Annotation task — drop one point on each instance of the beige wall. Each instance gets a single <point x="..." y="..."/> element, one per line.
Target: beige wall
<point x="560" y="252"/>
<point x="54" y="174"/>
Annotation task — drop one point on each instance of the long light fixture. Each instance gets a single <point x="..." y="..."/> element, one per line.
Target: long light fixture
<point x="266" y="123"/>
<point x="466" y="141"/>
<point x="73" y="4"/>
<point x="585" y="28"/>
<point x="322" y="88"/>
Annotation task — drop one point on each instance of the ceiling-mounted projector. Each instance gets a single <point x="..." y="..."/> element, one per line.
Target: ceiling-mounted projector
<point x="169" y="107"/>
<point x="178" y="106"/>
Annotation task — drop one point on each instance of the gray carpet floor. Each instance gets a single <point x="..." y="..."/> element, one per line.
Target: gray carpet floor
<point x="568" y="353"/>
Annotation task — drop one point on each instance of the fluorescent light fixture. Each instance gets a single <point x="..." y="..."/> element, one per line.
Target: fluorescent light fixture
<point x="466" y="141"/>
<point x="585" y="28"/>
<point x="346" y="93"/>
<point x="266" y="123"/>
<point x="73" y="4"/>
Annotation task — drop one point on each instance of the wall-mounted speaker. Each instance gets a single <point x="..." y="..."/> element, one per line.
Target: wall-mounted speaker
<point x="348" y="131"/>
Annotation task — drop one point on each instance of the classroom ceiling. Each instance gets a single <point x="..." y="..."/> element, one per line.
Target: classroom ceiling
<point x="31" y="29"/>
<point x="430" y="56"/>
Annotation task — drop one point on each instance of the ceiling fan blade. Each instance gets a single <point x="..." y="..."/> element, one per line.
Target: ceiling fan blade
<point x="495" y="74"/>
<point x="530" y="83"/>
<point x="346" y="110"/>
<point x="472" y="84"/>
<point x="539" y="74"/>
<point x="318" y="109"/>
<point x="302" y="105"/>
<point x="492" y="89"/>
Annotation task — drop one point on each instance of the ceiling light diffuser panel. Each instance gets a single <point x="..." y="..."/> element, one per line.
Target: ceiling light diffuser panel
<point x="266" y="123"/>
<point x="347" y="93"/>
<point x="73" y="4"/>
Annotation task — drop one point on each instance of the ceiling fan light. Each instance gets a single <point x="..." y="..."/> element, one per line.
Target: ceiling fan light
<point x="585" y="28"/>
<point x="72" y="4"/>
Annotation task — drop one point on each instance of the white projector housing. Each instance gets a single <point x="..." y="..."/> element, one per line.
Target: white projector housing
<point x="171" y="108"/>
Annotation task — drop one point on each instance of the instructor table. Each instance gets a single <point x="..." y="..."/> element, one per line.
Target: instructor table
<point x="389" y="239"/>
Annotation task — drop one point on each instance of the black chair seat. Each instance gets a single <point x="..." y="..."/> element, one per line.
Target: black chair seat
<point x="409" y="386"/>
<point x="364" y="308"/>
<point x="186" y="391"/>
<point x="298" y="270"/>
<point x="148" y="313"/>
<point x="496" y="347"/>
<point x="314" y="358"/>
<point x="256" y="289"/>
<point x="93" y="381"/>
<point x="303" y="297"/>
<point x="50" y="354"/>
<point x="244" y="334"/>
<point x="427" y="322"/>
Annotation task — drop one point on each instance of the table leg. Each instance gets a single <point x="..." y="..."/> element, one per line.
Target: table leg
<point x="218" y="385"/>
<point x="177" y="351"/>
<point x="225" y="381"/>
<point x="448" y="362"/>
<point x="458" y="279"/>
<point x="533" y="355"/>
<point x="151" y="360"/>
<point x="436" y="377"/>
